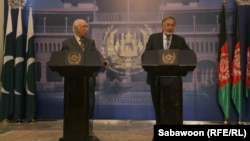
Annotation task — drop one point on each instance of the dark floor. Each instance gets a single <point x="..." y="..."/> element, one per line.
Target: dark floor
<point x="105" y="130"/>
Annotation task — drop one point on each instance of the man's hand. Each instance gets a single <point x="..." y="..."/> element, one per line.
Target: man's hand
<point x="106" y="63"/>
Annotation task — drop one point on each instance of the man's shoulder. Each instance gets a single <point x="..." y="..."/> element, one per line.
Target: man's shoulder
<point x="179" y="37"/>
<point x="89" y="39"/>
<point x="69" y="39"/>
<point x="156" y="34"/>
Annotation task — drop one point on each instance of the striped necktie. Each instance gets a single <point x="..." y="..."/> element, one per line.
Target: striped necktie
<point x="81" y="44"/>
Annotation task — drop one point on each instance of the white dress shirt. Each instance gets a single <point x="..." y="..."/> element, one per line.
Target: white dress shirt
<point x="166" y="42"/>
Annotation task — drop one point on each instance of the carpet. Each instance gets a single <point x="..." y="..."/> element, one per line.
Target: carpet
<point x="54" y="135"/>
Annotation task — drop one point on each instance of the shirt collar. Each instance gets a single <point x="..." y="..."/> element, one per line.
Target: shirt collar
<point x="77" y="38"/>
<point x="165" y="36"/>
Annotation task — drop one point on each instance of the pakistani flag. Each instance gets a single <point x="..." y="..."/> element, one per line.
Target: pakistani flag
<point x="19" y="69"/>
<point x="30" y="99"/>
<point x="7" y="76"/>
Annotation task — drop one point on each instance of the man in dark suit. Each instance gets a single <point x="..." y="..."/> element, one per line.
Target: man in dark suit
<point x="159" y="41"/>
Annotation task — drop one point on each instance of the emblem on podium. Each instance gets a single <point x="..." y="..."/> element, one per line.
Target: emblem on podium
<point x="168" y="57"/>
<point x="74" y="58"/>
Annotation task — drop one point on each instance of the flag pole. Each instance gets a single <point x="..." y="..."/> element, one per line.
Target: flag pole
<point x="223" y="74"/>
<point x="239" y="121"/>
<point x="225" y="121"/>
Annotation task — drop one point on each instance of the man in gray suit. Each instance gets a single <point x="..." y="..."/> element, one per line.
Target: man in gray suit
<point x="80" y="42"/>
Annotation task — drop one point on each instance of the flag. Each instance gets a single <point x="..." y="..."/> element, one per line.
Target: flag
<point x="7" y="76"/>
<point x="30" y="99"/>
<point x="236" y="68"/>
<point x="248" y="65"/>
<point x="244" y="25"/>
<point x="223" y="68"/>
<point x="248" y="70"/>
<point x="19" y="88"/>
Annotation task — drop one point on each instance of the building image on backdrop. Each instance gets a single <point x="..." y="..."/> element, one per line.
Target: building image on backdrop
<point x="121" y="30"/>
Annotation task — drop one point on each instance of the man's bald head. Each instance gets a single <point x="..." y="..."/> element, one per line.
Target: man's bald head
<point x="80" y="27"/>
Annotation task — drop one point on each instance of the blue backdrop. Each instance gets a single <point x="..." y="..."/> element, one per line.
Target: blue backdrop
<point x="121" y="92"/>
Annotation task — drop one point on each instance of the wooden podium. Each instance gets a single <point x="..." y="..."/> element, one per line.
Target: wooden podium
<point x="76" y="67"/>
<point x="169" y="66"/>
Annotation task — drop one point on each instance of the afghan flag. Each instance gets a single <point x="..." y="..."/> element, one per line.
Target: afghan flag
<point x="7" y="76"/>
<point x="30" y="82"/>
<point x="248" y="69"/>
<point x="248" y="72"/>
<point x="236" y="68"/>
<point x="223" y="68"/>
<point x="248" y="62"/>
<point x="244" y="28"/>
<point x="19" y="69"/>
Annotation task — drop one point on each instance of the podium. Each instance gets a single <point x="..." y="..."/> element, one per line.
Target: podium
<point x="76" y="67"/>
<point x="168" y="66"/>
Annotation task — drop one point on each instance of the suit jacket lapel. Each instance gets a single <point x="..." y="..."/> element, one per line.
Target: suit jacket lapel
<point x="173" y="41"/>
<point x="86" y="44"/>
<point x="75" y="43"/>
<point x="160" y="38"/>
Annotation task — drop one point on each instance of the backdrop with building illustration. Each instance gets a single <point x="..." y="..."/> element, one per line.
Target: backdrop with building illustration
<point x="121" y="29"/>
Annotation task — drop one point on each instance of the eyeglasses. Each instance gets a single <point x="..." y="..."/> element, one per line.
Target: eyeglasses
<point x="167" y="25"/>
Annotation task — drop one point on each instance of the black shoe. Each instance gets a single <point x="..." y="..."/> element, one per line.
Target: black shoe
<point x="27" y="121"/>
<point x="94" y="138"/>
<point x="14" y="120"/>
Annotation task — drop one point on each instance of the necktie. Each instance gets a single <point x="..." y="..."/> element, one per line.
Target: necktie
<point x="168" y="42"/>
<point x="81" y="44"/>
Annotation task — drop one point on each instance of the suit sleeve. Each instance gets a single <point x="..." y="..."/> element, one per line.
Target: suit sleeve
<point x="64" y="46"/>
<point x="184" y="44"/>
<point x="93" y="47"/>
<point x="102" y="68"/>
<point x="149" y="45"/>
